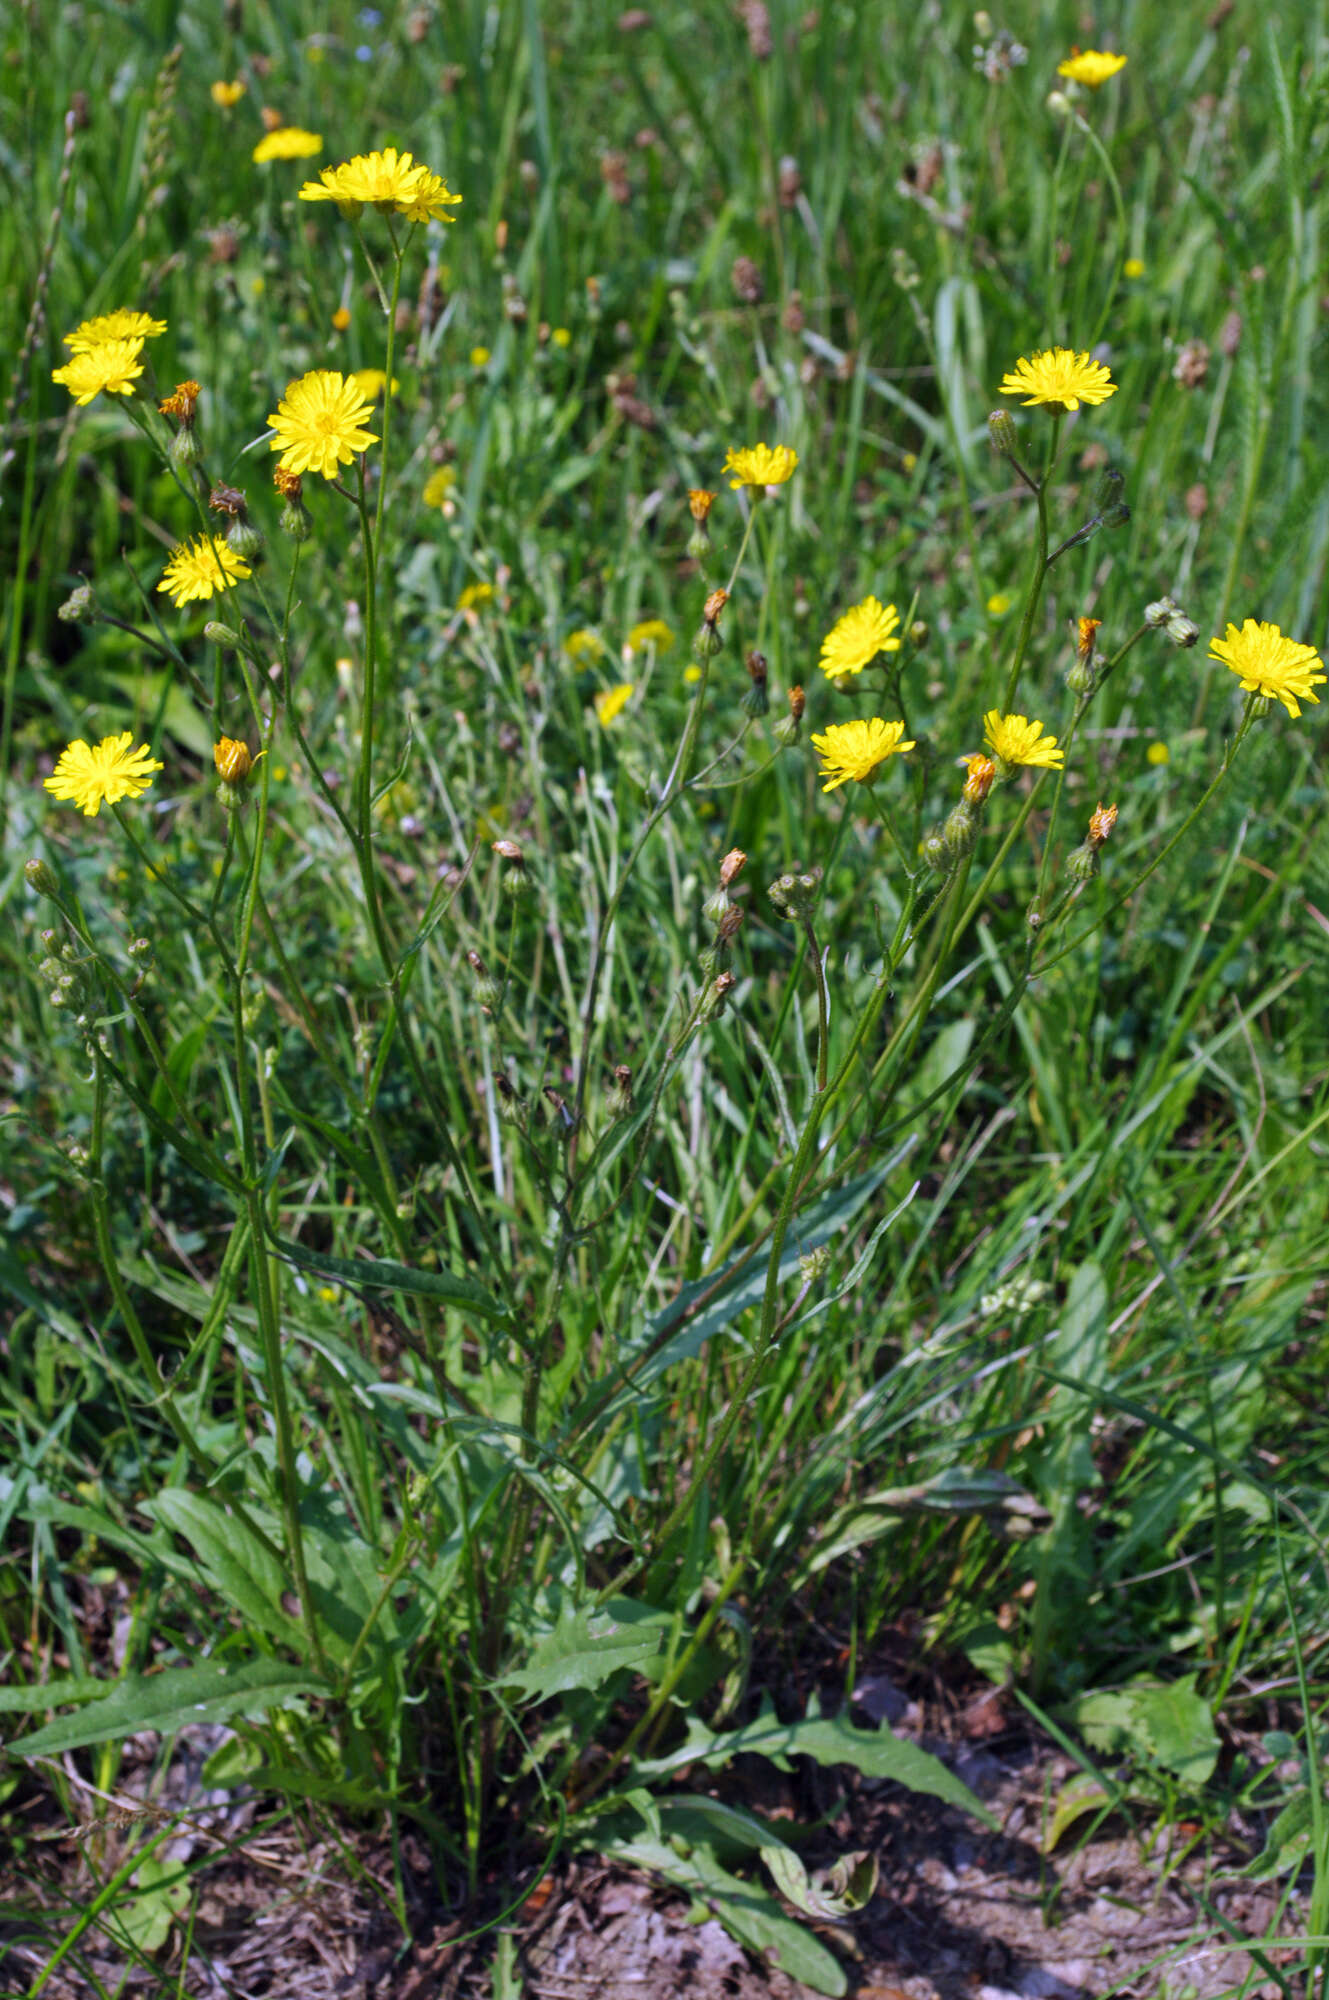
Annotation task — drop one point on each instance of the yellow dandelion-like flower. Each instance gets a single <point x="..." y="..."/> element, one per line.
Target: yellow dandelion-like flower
<point x="479" y="357"/>
<point x="857" y="750"/>
<point x="109" y="770"/>
<point x="1267" y="663"/>
<point x="224" y="94"/>
<point x="371" y="382"/>
<point x="438" y="486"/>
<point x="760" y="465"/>
<point x="387" y="180"/>
<point x="584" y="645"/>
<point x="1158" y="753"/>
<point x="999" y="604"/>
<point x="610" y="702"/>
<point x="1059" y="375"/>
<point x="123" y="324"/>
<point x="200" y="568"/>
<point x="288" y="142"/>
<point x="692" y="674"/>
<point x="431" y="200"/>
<point x="114" y="366"/>
<point x="1091" y="66"/>
<point x="1015" y="740"/>
<point x="319" y="422"/>
<point x="474" y="595"/>
<point x="651" y="632"/>
<point x="858" y="637"/>
<point x="1133" y="268"/>
<point x="561" y="336"/>
<point x="232" y="760"/>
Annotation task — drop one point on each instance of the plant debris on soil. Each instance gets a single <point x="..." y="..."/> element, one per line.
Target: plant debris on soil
<point x="960" y="1913"/>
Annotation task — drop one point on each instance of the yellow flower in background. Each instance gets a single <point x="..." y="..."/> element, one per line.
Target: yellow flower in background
<point x="692" y="673"/>
<point x="858" y="637"/>
<point x="123" y="324"/>
<point x="87" y="774"/>
<point x="760" y="465"/>
<point x="1133" y="268"/>
<point x="199" y="568"/>
<point x="1267" y="663"/>
<point x="584" y="645"/>
<point x="1015" y="740"/>
<point x="371" y="382"/>
<point x="319" y="423"/>
<point x="341" y="319"/>
<point x="999" y="604"/>
<point x="113" y="366"/>
<point x="610" y="702"/>
<point x="224" y="95"/>
<point x="474" y="595"/>
<point x="438" y="486"/>
<point x="561" y="336"/>
<point x="288" y="142"/>
<point x="1158" y="753"/>
<point x="651" y="632"/>
<point x="386" y="180"/>
<point x="1059" y="375"/>
<point x="857" y="750"/>
<point x="479" y="357"/>
<point x="1090" y="66"/>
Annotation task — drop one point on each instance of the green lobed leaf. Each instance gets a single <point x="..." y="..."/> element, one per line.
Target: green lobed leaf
<point x="167" y="1701"/>
<point x="587" y="1646"/>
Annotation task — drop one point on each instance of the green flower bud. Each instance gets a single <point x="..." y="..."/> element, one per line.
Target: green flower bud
<point x="221" y="635"/>
<point x="794" y="895"/>
<point x="40" y="876"/>
<point x="936" y="853"/>
<point x="1080" y="677"/>
<point x="1082" y="865"/>
<point x="1001" y="430"/>
<point x="961" y="829"/>
<point x="1181" y="630"/>
<point x="296" y="521"/>
<point x="244" y="539"/>
<point x="788" y="730"/>
<point x="184" y="451"/>
<point x="814" y="1264"/>
<point x="79" y="607"/>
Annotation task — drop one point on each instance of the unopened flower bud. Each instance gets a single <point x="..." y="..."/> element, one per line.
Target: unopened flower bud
<point x="244" y="540"/>
<point x="233" y="764"/>
<point x="715" y="905"/>
<point x="618" y="1098"/>
<point x="961" y="829"/>
<point x="705" y="642"/>
<point x="1110" y="488"/>
<point x="1080" y="676"/>
<point x="1059" y="104"/>
<point x="485" y="986"/>
<point x="79" y="607"/>
<point x="794" y="895"/>
<point x="515" y="881"/>
<point x="184" y="451"/>
<point x="1001" y="430"/>
<point x="757" y="700"/>
<point x="790" y="727"/>
<point x="1117" y="515"/>
<point x="919" y="632"/>
<point x="1160" y="611"/>
<point x="139" y="948"/>
<point x="221" y="635"/>
<point x="1181" y="630"/>
<point x="717" y="994"/>
<point x="509" y="1104"/>
<point x="936" y="853"/>
<point x="1082" y="865"/>
<point x="1260" y="706"/>
<point x="40" y="876"/>
<point x="814" y="1264"/>
<point x="559" y="1114"/>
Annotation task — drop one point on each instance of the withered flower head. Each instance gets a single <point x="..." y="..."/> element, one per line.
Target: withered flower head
<point x="798" y="701"/>
<point x="757" y="670"/>
<point x="730" y="924"/>
<point x="732" y="866"/>
<point x="1101" y="824"/>
<point x="227" y="500"/>
<point x="182" y="402"/>
<point x="982" y="770"/>
<point x="509" y="850"/>
<point x="287" y="483"/>
<point x="714" y="605"/>
<point x="1085" y="641"/>
<point x="700" y="502"/>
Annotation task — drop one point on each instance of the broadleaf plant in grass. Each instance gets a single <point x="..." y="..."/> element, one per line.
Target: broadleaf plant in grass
<point x="576" y="1148"/>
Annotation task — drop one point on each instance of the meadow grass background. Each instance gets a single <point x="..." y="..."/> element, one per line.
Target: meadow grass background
<point x="1105" y="1279"/>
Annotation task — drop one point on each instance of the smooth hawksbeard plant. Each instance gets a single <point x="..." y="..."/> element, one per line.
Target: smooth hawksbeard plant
<point x="1015" y="740"/>
<point x="1267" y="663"/>
<point x="857" y="750"/>
<point x="123" y="324"/>
<point x="88" y="774"/>
<point x="319" y="423"/>
<point x="855" y="640"/>
<point x="1059" y="376"/>
<point x="390" y="181"/>
<point x="288" y="142"/>
<point x="1091" y="66"/>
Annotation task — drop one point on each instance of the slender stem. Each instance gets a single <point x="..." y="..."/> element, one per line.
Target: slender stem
<point x="823" y="1001"/>
<point x="1040" y="567"/>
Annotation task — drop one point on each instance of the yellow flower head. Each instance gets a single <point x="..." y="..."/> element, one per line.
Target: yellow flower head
<point x="438" y="486"/>
<point x="474" y="595"/>
<point x="199" y="568"/>
<point x="123" y="324"/>
<point x="1015" y="740"/>
<point x="388" y="180"/>
<point x="981" y="775"/>
<point x="1158" y="753"/>
<point x="561" y="336"/>
<point x="109" y="771"/>
<point x="858" y="637"/>
<point x="288" y="142"/>
<point x="232" y="760"/>
<point x="692" y="673"/>
<point x="584" y="645"/>
<point x="651" y="632"/>
<point x="856" y="750"/>
<point x="114" y="366"/>
<point x="760" y="465"/>
<point x="224" y="95"/>
<point x="610" y="702"/>
<point x="1091" y="66"/>
<point x="999" y="604"/>
<point x="1266" y="663"/>
<point x="371" y="382"/>
<point x="318" y="423"/>
<point x="1059" y="375"/>
<point x="1133" y="268"/>
<point x="479" y="357"/>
